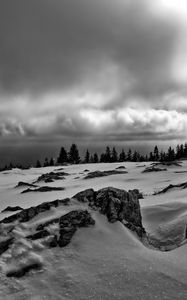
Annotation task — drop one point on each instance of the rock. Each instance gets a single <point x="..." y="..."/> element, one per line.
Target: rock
<point x="103" y="173"/>
<point x="171" y="186"/>
<point x="153" y="169"/>
<point x="44" y="189"/>
<point x="70" y="222"/>
<point x="27" y="214"/>
<point x="117" y="205"/>
<point x="11" y="208"/>
<point x="4" y="245"/>
<point x="86" y="170"/>
<point x="25" y="269"/>
<point x="39" y="235"/>
<point x="68" y="225"/>
<point x="52" y="176"/>
<point x="120" y="168"/>
<point x="22" y="183"/>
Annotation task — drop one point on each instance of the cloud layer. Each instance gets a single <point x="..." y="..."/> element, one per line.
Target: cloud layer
<point x="93" y="68"/>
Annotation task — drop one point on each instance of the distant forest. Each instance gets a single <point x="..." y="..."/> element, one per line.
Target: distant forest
<point x="110" y="155"/>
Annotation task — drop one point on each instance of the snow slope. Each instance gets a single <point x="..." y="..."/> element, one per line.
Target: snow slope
<point x="105" y="261"/>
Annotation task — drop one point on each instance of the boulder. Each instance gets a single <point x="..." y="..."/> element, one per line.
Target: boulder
<point x="96" y="174"/>
<point x="117" y="205"/>
<point x="11" y="208"/>
<point x="44" y="189"/>
<point x="27" y="214"/>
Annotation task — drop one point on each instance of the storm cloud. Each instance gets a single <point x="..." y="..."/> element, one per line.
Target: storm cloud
<point x="97" y="68"/>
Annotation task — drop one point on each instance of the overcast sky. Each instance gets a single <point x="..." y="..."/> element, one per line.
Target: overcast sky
<point x="94" y="70"/>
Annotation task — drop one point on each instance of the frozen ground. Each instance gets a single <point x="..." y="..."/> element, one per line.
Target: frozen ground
<point x="105" y="261"/>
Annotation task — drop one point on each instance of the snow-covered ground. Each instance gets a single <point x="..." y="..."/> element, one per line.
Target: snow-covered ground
<point x="105" y="261"/>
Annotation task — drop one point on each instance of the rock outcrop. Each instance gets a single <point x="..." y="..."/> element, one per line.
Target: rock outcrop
<point x="172" y="186"/>
<point x="27" y="214"/>
<point x="96" y="174"/>
<point x="11" y="208"/>
<point x="44" y="189"/>
<point x="25" y="184"/>
<point x="153" y="169"/>
<point x="51" y="177"/>
<point x="117" y="205"/>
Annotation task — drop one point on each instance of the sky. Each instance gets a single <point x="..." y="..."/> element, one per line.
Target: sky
<point x="94" y="72"/>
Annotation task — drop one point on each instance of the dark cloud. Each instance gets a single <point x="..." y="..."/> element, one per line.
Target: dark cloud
<point x="91" y="70"/>
<point x="61" y="44"/>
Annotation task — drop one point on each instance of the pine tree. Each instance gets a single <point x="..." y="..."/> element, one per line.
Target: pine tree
<point x="114" y="155"/>
<point x="107" y="154"/>
<point x="38" y="164"/>
<point x="156" y="153"/>
<point x="63" y="156"/>
<point x="129" y="155"/>
<point x="122" y="156"/>
<point x="95" y="158"/>
<point x="51" y="163"/>
<point x="74" y="157"/>
<point x="87" y="157"/>
<point x="46" y="162"/>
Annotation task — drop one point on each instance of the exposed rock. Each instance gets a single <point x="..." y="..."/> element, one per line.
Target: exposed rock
<point x="11" y="208"/>
<point x="25" y="269"/>
<point x="24" y="184"/>
<point x="69" y="224"/>
<point x="153" y="169"/>
<point x="104" y="173"/>
<point x="27" y="214"/>
<point x="117" y="205"/>
<point x="44" y="189"/>
<point x="167" y="163"/>
<point x="52" y="176"/>
<point x="171" y="186"/>
<point x="86" y="170"/>
<point x="120" y="168"/>
<point x="4" y="245"/>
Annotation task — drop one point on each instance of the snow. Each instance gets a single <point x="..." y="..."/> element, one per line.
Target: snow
<point x="105" y="261"/>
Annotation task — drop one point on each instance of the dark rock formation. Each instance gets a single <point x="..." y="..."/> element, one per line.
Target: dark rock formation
<point x="167" y="163"/>
<point x="25" y="269"/>
<point x="11" y="208"/>
<point x="68" y="225"/>
<point x="117" y="205"/>
<point x="70" y="222"/>
<point x="27" y="214"/>
<point x="171" y="186"/>
<point x="153" y="169"/>
<point x="103" y="173"/>
<point x="4" y="245"/>
<point x="120" y="168"/>
<point x="86" y="170"/>
<point x="24" y="184"/>
<point x="44" y="189"/>
<point x="52" y="176"/>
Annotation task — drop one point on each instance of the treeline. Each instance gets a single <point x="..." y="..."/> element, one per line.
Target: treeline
<point x="111" y="155"/>
<point x="108" y="156"/>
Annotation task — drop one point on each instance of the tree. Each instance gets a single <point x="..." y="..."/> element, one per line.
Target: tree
<point x="170" y="154"/>
<point x="63" y="156"/>
<point x="46" y="162"/>
<point x="114" y="155"/>
<point x="95" y="158"/>
<point x="156" y="153"/>
<point x="74" y="157"/>
<point x="122" y="156"/>
<point x="129" y="155"/>
<point x="87" y="157"/>
<point x="38" y="164"/>
<point x="107" y="154"/>
<point x="51" y="163"/>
